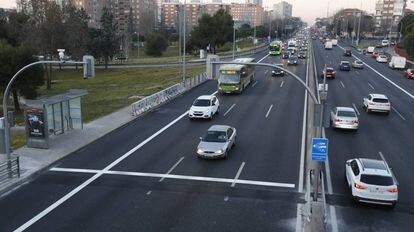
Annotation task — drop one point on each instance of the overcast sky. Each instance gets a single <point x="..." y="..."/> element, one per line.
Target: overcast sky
<point x="308" y="10"/>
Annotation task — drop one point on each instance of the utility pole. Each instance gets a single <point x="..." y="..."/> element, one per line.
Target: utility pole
<point x="234" y="38"/>
<point x="359" y="26"/>
<point x="184" y="23"/>
<point x="254" y="37"/>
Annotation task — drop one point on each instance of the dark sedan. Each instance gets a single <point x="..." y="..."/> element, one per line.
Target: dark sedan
<point x="347" y="53"/>
<point x="285" y="55"/>
<point x="330" y="73"/>
<point x="345" y="66"/>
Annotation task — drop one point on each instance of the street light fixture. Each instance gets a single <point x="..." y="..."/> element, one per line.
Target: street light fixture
<point x="89" y="72"/>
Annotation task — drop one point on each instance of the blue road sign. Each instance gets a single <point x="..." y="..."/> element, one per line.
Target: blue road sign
<point x="319" y="149"/>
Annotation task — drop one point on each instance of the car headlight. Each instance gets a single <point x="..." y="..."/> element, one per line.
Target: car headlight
<point x="199" y="151"/>
<point x="237" y="88"/>
<point x="219" y="151"/>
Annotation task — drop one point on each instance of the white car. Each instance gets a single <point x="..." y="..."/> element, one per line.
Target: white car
<point x="217" y="142"/>
<point x="205" y="106"/>
<point x="382" y="59"/>
<point x="344" y="118"/>
<point x="377" y="102"/>
<point x="371" y="181"/>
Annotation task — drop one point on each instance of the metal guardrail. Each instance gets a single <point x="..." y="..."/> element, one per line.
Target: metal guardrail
<point x="325" y="212"/>
<point x="10" y="169"/>
<point x="162" y="96"/>
<point x="308" y="197"/>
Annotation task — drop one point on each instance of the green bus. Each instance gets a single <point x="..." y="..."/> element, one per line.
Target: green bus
<point x="234" y="78"/>
<point x="275" y="48"/>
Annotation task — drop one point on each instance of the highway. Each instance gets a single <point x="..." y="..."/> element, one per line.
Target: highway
<point x="145" y="176"/>
<point x="379" y="136"/>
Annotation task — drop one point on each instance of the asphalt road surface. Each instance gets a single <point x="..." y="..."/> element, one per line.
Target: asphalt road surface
<point x="378" y="134"/>
<point x="117" y="182"/>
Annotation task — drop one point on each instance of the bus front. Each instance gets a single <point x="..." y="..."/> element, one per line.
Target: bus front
<point x="229" y="81"/>
<point x="274" y="49"/>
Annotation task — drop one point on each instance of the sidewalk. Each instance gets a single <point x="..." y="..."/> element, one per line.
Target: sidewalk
<point x="34" y="161"/>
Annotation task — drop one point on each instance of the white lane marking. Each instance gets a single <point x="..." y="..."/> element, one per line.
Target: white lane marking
<point x="385" y="78"/>
<point x="172" y="168"/>
<point x="149" y="192"/>
<point x="343" y="86"/>
<point x="231" y="107"/>
<point x="179" y="177"/>
<point x="334" y="222"/>
<point x="268" y="112"/>
<point x="372" y="87"/>
<point x="356" y="72"/>
<point x="238" y="174"/>
<point x="399" y="114"/>
<point x="97" y="175"/>
<point x="255" y="83"/>
<point x="356" y="108"/>
<point x="226" y="198"/>
<point x="263" y="58"/>
<point x="266" y="71"/>
<point x="383" y="158"/>
<point x="281" y="84"/>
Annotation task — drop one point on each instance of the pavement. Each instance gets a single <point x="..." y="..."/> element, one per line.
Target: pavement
<point x="145" y="176"/>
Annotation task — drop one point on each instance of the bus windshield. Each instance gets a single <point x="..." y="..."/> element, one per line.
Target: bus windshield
<point x="229" y="78"/>
<point x="274" y="47"/>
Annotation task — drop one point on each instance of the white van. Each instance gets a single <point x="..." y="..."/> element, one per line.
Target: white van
<point x="397" y="62"/>
<point x="328" y="45"/>
<point x="384" y="43"/>
<point x="370" y="49"/>
<point x="334" y="42"/>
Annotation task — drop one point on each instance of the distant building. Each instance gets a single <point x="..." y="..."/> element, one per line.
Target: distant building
<point x="253" y="14"/>
<point x="282" y="10"/>
<point x="212" y="8"/>
<point x="388" y="13"/>
<point x="255" y="2"/>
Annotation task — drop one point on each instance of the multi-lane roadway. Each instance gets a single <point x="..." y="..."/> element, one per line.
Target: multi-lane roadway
<point x="145" y="176"/>
<point x="379" y="136"/>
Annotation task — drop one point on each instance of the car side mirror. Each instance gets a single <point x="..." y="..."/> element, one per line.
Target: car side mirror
<point x="201" y="138"/>
<point x="348" y="163"/>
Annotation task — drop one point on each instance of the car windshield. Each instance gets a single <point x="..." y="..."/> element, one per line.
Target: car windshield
<point x="377" y="180"/>
<point x="201" y="102"/>
<point x="292" y="57"/>
<point x="346" y="113"/>
<point x="329" y="70"/>
<point x="380" y="100"/>
<point x="215" y="137"/>
<point x="358" y="62"/>
<point x="344" y="63"/>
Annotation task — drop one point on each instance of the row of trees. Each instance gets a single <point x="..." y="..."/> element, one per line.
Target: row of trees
<point x="407" y="29"/>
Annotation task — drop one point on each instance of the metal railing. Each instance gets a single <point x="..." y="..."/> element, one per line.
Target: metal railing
<point x="10" y="169"/>
<point x="325" y="212"/>
<point x="165" y="95"/>
<point x="308" y="197"/>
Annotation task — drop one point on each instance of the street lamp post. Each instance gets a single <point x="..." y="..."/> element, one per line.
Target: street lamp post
<point x="234" y="38"/>
<point x="184" y="23"/>
<point x="89" y="73"/>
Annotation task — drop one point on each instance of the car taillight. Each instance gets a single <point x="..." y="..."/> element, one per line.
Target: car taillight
<point x="371" y="103"/>
<point x="393" y="190"/>
<point x="355" y="121"/>
<point x="358" y="186"/>
<point x="338" y="120"/>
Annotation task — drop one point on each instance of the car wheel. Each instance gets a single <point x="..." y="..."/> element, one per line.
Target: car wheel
<point x="234" y="143"/>
<point x="387" y="113"/>
<point x="218" y="110"/>
<point x="392" y="206"/>
<point x="211" y="116"/>
<point x="225" y="155"/>
<point x="367" y="110"/>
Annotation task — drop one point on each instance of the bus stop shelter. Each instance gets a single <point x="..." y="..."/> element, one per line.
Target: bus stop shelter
<point x="53" y="116"/>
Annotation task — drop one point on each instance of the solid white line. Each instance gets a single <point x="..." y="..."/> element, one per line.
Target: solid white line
<point x="266" y="71"/>
<point x="334" y="222"/>
<point x="181" y="177"/>
<point x="255" y="83"/>
<point x="78" y="170"/>
<point x="356" y="108"/>
<point x="268" y="112"/>
<point x="97" y="175"/>
<point x="231" y="107"/>
<point x="172" y="168"/>
<point x="343" y="86"/>
<point x="238" y="174"/>
<point x="226" y="198"/>
<point x="149" y="192"/>
<point x="372" y="87"/>
<point x="328" y="169"/>
<point x="263" y="58"/>
<point x="281" y="84"/>
<point x="396" y="111"/>
<point x="385" y="78"/>
<point x="356" y="72"/>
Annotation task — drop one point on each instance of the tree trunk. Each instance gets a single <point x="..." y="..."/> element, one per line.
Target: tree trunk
<point x="106" y="62"/>
<point x="16" y="100"/>
<point x="49" y="80"/>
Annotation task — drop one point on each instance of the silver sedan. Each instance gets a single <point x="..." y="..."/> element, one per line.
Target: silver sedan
<point x="357" y="64"/>
<point x="217" y="142"/>
<point x="344" y="118"/>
